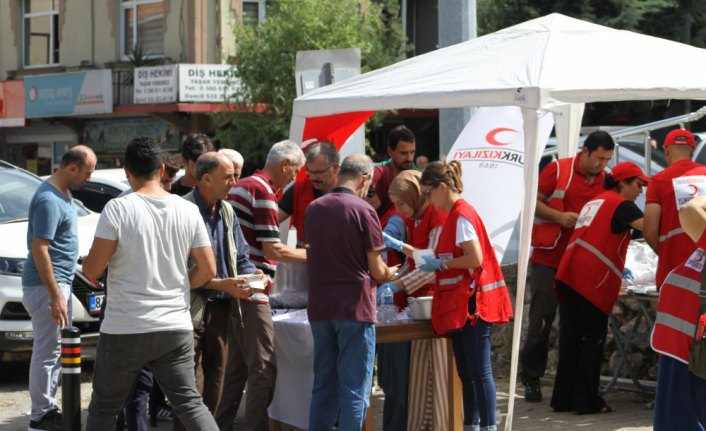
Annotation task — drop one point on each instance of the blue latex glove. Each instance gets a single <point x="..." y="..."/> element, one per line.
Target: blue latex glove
<point x="431" y="264"/>
<point x="381" y="288"/>
<point x="628" y="274"/>
<point x="392" y="242"/>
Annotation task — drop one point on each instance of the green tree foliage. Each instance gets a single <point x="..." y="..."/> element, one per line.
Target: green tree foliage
<point x="644" y="16"/>
<point x="266" y="55"/>
<point x="678" y="20"/>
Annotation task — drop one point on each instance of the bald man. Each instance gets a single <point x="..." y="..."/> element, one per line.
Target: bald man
<point x="52" y="240"/>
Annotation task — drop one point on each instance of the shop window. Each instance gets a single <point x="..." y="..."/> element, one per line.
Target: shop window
<point x="40" y="25"/>
<point x="142" y="28"/>
<point x="253" y="11"/>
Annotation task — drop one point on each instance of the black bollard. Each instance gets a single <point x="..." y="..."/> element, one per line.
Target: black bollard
<point x="71" y="378"/>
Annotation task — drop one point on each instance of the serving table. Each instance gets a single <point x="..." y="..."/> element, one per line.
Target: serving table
<point x="295" y="377"/>
<point x="631" y="336"/>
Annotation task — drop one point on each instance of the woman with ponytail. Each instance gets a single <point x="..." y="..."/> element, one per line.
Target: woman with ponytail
<point x="469" y="293"/>
<point x="588" y="282"/>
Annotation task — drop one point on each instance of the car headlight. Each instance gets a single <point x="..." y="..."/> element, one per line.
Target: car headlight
<point x="12" y="266"/>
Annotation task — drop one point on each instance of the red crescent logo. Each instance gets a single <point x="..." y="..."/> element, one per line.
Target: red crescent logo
<point x="699" y="257"/>
<point x="694" y="190"/>
<point x="490" y="137"/>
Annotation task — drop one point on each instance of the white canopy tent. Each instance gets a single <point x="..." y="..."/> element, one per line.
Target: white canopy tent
<point x="554" y="63"/>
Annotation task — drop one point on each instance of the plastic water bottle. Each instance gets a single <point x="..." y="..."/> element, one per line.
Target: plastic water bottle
<point x="386" y="309"/>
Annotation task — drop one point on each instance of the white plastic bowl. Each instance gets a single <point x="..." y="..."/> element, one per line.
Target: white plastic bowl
<point x="254" y="281"/>
<point x="420" y="308"/>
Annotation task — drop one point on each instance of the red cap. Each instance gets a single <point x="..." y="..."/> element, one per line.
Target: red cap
<point x="680" y="137"/>
<point x="625" y="170"/>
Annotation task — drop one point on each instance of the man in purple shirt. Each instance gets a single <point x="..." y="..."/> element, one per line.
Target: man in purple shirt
<point x="341" y="305"/>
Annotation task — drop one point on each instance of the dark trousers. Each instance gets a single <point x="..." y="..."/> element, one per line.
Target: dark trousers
<point x="134" y="414"/>
<point x="135" y="411"/>
<point x="170" y="356"/>
<point x="681" y="397"/>
<point x="542" y="312"/>
<point x="472" y="353"/>
<point x="393" y="377"/>
<point x="211" y="354"/>
<point x="582" y="333"/>
<point x="251" y="359"/>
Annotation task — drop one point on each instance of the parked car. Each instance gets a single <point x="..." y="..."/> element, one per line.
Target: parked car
<point x="17" y="187"/>
<point x="104" y="185"/>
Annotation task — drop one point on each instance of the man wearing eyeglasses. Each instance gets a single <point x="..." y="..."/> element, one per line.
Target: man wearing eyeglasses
<point x="322" y="165"/>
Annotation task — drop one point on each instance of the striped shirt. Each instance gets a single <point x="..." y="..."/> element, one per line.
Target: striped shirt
<point x="255" y="204"/>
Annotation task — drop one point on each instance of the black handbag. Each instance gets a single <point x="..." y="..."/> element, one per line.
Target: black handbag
<point x="697" y="356"/>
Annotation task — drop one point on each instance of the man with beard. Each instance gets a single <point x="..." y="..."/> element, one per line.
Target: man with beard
<point x="401" y="146"/>
<point x="322" y="163"/>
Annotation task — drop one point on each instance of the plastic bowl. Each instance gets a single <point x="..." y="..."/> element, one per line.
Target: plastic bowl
<point x="420" y="308"/>
<point x="254" y="281"/>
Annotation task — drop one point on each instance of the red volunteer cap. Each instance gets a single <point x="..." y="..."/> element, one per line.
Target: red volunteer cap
<point x="680" y="137"/>
<point x="625" y="170"/>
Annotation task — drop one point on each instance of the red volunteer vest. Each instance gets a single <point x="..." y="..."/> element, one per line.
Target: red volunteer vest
<point x="453" y="286"/>
<point x="675" y="246"/>
<point x="546" y="234"/>
<point x="678" y="309"/>
<point x="303" y="196"/>
<point x="595" y="257"/>
<point x="418" y="237"/>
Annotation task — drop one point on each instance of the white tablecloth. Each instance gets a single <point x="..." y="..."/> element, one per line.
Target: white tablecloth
<point x="294" y="350"/>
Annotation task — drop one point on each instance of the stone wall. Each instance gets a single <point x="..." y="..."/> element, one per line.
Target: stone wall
<point x="626" y="313"/>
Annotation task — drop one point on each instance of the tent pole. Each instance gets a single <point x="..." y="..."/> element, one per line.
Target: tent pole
<point x="532" y="130"/>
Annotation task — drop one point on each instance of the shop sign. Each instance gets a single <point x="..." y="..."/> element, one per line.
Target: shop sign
<point x="155" y="84"/>
<point x="12" y="104"/>
<point x="207" y="82"/>
<point x="65" y="94"/>
<point x="112" y="136"/>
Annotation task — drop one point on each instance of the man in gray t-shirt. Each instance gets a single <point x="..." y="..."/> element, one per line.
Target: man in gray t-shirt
<point x="146" y="237"/>
<point x="52" y="241"/>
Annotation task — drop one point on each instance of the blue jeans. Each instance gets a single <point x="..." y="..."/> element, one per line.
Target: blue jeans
<point x="45" y="367"/>
<point x="344" y="351"/>
<point x="472" y="352"/>
<point x="170" y="356"/>
<point x="680" y="398"/>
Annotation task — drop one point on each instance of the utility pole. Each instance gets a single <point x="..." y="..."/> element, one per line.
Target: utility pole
<point x="457" y="23"/>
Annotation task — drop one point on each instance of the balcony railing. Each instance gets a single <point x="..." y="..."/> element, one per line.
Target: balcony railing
<point x="123" y="84"/>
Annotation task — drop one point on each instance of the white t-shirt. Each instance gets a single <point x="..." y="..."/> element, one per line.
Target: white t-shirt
<point x="465" y="231"/>
<point x="148" y="283"/>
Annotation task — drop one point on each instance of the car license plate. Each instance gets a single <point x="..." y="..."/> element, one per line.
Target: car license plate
<point x="94" y="303"/>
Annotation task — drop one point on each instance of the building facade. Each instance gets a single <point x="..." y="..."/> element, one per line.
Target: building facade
<point x="72" y="64"/>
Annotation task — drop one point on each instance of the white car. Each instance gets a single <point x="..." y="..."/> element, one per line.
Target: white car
<point x="17" y="187"/>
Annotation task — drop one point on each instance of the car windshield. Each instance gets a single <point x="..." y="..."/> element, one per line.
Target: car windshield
<point x="16" y="190"/>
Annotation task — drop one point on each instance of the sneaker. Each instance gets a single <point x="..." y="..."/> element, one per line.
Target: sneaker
<point x="533" y="391"/>
<point x="51" y="421"/>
